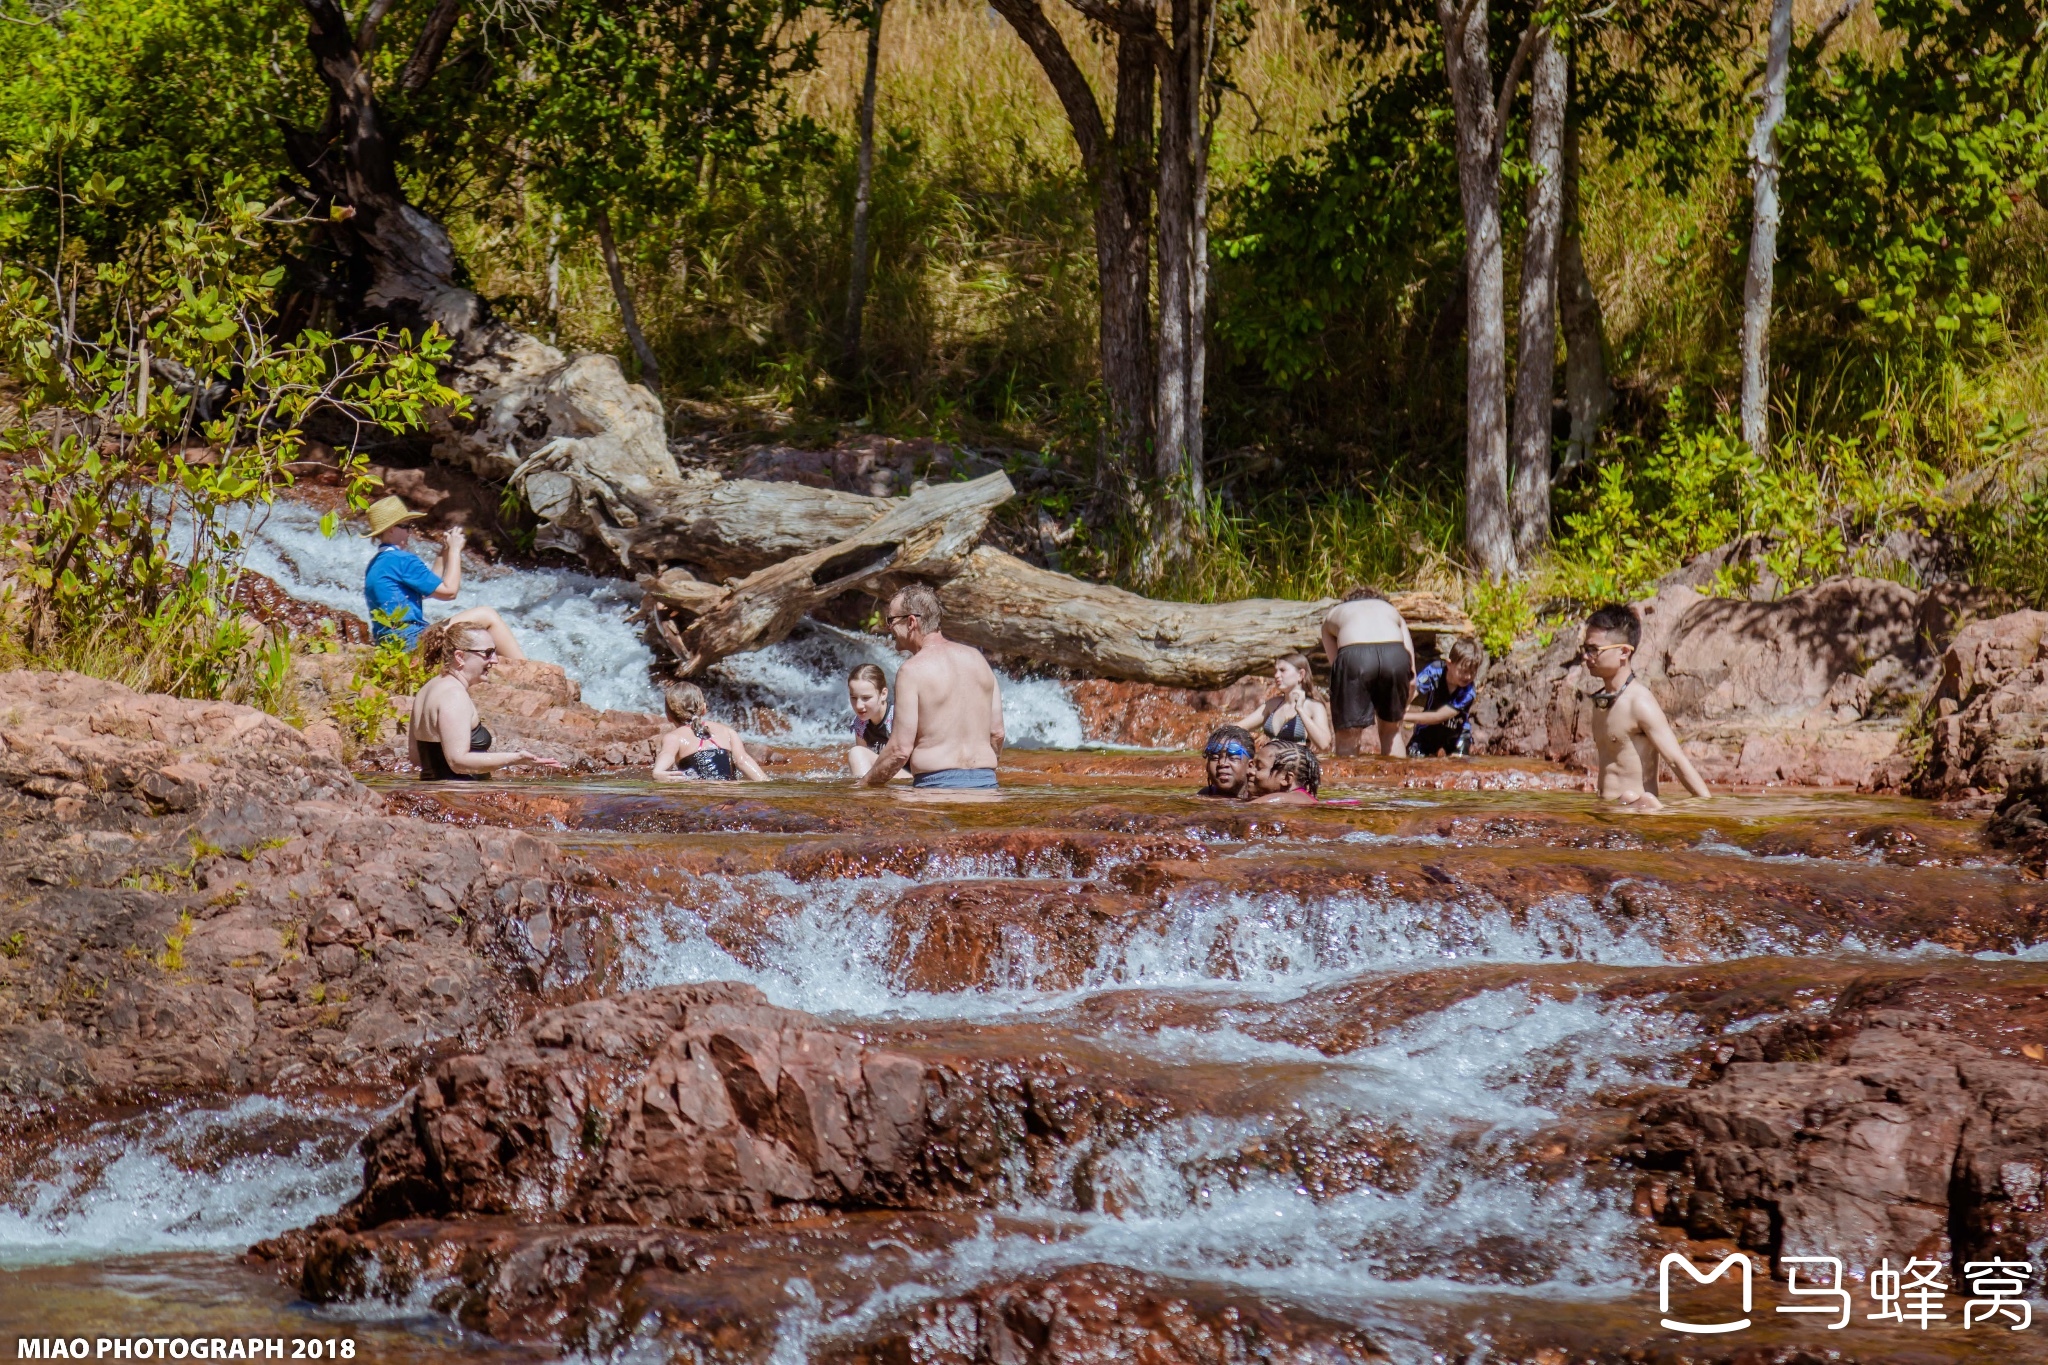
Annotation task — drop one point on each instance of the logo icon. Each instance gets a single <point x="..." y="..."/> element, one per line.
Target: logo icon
<point x="1664" y="1291"/>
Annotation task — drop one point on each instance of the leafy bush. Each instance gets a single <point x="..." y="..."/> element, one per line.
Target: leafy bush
<point x="1816" y="506"/>
<point x="156" y="407"/>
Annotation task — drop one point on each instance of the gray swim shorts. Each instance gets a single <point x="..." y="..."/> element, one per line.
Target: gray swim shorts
<point x="955" y="778"/>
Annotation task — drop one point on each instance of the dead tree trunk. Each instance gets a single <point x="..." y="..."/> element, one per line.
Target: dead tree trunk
<point x="1588" y="394"/>
<point x="1760" y="275"/>
<point x="1000" y="603"/>
<point x="863" y="198"/>
<point x="622" y="291"/>
<point x="1489" y="536"/>
<point x="1536" y="321"/>
<point x="927" y="536"/>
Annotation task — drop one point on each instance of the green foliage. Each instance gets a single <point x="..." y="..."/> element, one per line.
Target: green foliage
<point x="1816" y="506"/>
<point x="1897" y="158"/>
<point x="14" y="945"/>
<point x="1298" y="546"/>
<point x="389" y="670"/>
<point x="157" y="414"/>
<point x="1502" y="611"/>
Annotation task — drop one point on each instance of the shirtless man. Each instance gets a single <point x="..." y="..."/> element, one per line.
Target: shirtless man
<point x="1372" y="665"/>
<point x="949" y="712"/>
<point x="1629" y="726"/>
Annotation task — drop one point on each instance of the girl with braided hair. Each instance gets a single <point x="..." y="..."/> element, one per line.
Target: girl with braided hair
<point x="1285" y="774"/>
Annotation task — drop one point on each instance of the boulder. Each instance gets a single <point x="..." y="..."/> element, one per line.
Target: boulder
<point x="1809" y="689"/>
<point x="201" y="901"/>
<point x="1898" y="1139"/>
<point x="1983" y="722"/>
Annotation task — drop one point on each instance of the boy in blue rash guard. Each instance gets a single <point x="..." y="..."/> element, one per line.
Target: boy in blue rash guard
<point x="1442" y="709"/>
<point x="396" y="584"/>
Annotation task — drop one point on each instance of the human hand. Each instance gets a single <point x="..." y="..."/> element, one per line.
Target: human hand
<point x="1296" y="695"/>
<point x="543" y="762"/>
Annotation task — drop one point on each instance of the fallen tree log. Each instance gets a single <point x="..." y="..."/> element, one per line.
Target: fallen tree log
<point x="928" y="535"/>
<point x="1002" y="604"/>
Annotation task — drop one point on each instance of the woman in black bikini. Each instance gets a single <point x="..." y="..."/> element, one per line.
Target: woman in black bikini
<point x="1294" y="713"/>
<point x="700" y="747"/>
<point x="448" y="740"/>
<point x="867" y="691"/>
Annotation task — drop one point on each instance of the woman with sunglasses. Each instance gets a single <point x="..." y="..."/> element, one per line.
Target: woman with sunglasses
<point x="1228" y="757"/>
<point x="448" y="740"/>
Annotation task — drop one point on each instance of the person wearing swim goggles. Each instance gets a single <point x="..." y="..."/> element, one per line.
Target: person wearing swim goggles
<point x="1228" y="757"/>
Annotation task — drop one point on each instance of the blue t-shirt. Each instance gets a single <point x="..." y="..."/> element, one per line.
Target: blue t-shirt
<point x="397" y="583"/>
<point x="1433" y="692"/>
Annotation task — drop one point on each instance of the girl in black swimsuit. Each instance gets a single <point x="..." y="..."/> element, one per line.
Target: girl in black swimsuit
<point x="700" y="747"/>
<point x="1308" y="718"/>
<point x="867" y="692"/>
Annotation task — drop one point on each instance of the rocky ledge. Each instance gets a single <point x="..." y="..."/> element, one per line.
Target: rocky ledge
<point x="193" y="898"/>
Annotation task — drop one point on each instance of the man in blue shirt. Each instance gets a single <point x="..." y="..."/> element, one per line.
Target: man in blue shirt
<point x="397" y="584"/>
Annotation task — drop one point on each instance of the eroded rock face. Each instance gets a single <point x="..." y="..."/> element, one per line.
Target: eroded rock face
<point x="1897" y="1140"/>
<point x="706" y="1106"/>
<point x="197" y="899"/>
<point x="1105" y="1315"/>
<point x="1810" y="689"/>
<point x="1985" y="716"/>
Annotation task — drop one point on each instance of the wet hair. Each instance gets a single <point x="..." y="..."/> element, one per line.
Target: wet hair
<point x="1236" y="732"/>
<point x="1617" y="618"/>
<point x="920" y="601"/>
<point x="1362" y="593"/>
<point x="1308" y="677"/>
<point x="684" y="702"/>
<point x="1295" y="763"/>
<point x="439" y="641"/>
<point x="872" y="675"/>
<point x="1467" y="651"/>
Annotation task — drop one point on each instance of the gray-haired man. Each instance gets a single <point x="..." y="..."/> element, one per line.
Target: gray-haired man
<point x="949" y="711"/>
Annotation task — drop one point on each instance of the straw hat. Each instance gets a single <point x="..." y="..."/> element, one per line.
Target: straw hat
<point x="386" y="513"/>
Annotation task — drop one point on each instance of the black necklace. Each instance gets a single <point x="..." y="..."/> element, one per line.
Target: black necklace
<point x="1604" y="701"/>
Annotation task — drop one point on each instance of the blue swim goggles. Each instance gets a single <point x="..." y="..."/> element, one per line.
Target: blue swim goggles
<point x="1226" y="746"/>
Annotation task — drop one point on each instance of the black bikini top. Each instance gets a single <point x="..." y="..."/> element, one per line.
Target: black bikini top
<point x="1291" y="729"/>
<point x="434" y="759"/>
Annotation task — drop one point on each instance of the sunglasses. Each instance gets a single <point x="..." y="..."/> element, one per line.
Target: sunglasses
<point x="1231" y="747"/>
<point x="906" y="616"/>
<point x="491" y="653"/>
<point x="1595" y="651"/>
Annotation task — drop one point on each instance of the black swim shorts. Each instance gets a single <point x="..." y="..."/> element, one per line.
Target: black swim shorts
<point x="1370" y="682"/>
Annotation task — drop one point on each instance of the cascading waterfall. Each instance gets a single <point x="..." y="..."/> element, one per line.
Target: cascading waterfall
<point x="578" y="620"/>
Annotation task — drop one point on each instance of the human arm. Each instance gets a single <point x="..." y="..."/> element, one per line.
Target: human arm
<point x="1407" y="641"/>
<point x="453" y="721"/>
<point x="449" y="566"/>
<point x="1315" y="718"/>
<point x="1442" y="715"/>
<point x="670" y="751"/>
<point x="996" y="733"/>
<point x="902" y="736"/>
<point x="1330" y="638"/>
<point x="1657" y="728"/>
<point x="1255" y="718"/>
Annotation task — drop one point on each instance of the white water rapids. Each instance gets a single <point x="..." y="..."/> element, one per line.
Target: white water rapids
<point x="578" y="621"/>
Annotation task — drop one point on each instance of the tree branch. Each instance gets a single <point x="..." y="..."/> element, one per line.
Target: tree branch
<point x="1084" y="116"/>
<point x="366" y="36"/>
<point x="1507" y="86"/>
<point x="1819" y="41"/>
<point x="433" y="41"/>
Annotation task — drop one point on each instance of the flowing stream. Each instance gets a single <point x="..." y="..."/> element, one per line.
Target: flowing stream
<point x="1379" y="1036"/>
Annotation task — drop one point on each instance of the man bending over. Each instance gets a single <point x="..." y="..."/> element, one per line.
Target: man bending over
<point x="949" y="712"/>
<point x="1372" y="666"/>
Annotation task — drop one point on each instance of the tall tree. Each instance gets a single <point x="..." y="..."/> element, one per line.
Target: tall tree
<point x="1151" y="374"/>
<point x="1536" y="318"/>
<point x="1760" y="273"/>
<point x="1588" y="395"/>
<point x="863" y="197"/>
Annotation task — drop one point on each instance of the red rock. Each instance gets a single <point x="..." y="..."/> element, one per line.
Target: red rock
<point x="1895" y="1141"/>
<point x="1156" y="717"/>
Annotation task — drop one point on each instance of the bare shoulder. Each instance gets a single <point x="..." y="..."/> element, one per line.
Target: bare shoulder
<point x="968" y="656"/>
<point x="1639" y="707"/>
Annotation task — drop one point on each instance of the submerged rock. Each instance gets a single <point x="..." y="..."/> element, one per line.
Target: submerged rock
<point x="198" y="900"/>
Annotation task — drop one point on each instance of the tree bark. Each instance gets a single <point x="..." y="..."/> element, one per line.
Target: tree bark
<point x="622" y="290"/>
<point x="1489" y="536"/>
<point x="1588" y="394"/>
<point x="863" y="197"/>
<point x="1000" y="603"/>
<point x="1536" y="321"/>
<point x="1119" y="165"/>
<point x="1763" y="234"/>
<point x="1183" y="273"/>
<point x="926" y="536"/>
